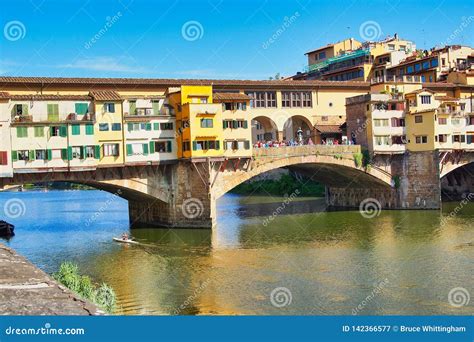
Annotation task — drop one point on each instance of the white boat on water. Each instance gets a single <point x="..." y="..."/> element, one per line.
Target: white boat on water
<point x="129" y="241"/>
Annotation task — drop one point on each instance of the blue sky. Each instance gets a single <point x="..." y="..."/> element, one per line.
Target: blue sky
<point x="224" y="39"/>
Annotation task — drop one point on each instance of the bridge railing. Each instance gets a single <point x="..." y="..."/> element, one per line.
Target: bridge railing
<point x="293" y="151"/>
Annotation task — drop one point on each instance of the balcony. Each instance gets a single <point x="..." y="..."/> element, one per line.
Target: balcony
<point x="22" y="118"/>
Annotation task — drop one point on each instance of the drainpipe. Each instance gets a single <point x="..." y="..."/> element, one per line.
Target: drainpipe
<point x="67" y="148"/>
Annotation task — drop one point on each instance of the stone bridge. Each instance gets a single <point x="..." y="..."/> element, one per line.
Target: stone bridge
<point x="183" y="193"/>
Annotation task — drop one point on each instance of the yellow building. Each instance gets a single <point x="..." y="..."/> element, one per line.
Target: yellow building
<point x="236" y="123"/>
<point x="436" y="121"/>
<point x="199" y="131"/>
<point x="108" y="126"/>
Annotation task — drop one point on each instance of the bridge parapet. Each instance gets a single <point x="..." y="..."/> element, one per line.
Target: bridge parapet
<point x="306" y="150"/>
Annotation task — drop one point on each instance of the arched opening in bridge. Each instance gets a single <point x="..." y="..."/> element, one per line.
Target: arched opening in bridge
<point x="264" y="129"/>
<point x="297" y="123"/>
<point x="458" y="183"/>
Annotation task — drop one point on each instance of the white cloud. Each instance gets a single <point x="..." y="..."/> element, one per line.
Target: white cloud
<point x="103" y="64"/>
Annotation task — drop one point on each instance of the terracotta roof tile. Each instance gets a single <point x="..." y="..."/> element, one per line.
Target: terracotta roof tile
<point x="105" y="95"/>
<point x="4" y="95"/>
<point x="230" y="97"/>
<point x="328" y="128"/>
<point x="51" y="97"/>
<point x="7" y="80"/>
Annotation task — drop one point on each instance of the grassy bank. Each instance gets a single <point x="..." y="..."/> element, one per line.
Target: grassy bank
<point x="103" y="296"/>
<point x="287" y="184"/>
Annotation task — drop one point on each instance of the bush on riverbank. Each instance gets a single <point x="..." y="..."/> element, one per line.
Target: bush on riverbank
<point x="103" y="296"/>
<point x="287" y="184"/>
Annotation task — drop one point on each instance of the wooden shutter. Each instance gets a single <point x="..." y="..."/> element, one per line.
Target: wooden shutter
<point x="152" y="147"/>
<point x="245" y="124"/>
<point x="156" y="126"/>
<point x="14" y="156"/>
<point x="145" y="149"/>
<point x="31" y="155"/>
<point x="97" y="151"/>
<point x="133" y="107"/>
<point x="129" y="150"/>
<point x="49" y="154"/>
<point x="156" y="107"/>
<point x="217" y="144"/>
<point x="63" y="131"/>
<point x="194" y="145"/>
<point x="169" y="147"/>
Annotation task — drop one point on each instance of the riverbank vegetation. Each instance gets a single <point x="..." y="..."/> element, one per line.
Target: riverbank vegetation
<point x="287" y="184"/>
<point x="103" y="296"/>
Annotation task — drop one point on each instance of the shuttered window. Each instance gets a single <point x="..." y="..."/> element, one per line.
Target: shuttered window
<point x="76" y="129"/>
<point x="39" y="131"/>
<point x="82" y="108"/>
<point x="53" y="112"/>
<point x="22" y="132"/>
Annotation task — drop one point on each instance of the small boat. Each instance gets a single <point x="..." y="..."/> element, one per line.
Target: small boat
<point x="133" y="242"/>
<point x="6" y="229"/>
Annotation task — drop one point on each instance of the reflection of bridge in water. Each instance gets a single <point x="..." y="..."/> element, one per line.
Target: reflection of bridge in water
<point x="183" y="193"/>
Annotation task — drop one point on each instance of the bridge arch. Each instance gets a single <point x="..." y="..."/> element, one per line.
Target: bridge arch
<point x="330" y="168"/>
<point x="293" y="123"/>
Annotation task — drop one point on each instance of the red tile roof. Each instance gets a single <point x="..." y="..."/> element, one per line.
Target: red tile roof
<point x="8" y="80"/>
<point x="105" y="95"/>
<point x="230" y="97"/>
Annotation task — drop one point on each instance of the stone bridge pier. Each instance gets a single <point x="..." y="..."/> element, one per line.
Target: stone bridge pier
<point x="189" y="202"/>
<point x="415" y="184"/>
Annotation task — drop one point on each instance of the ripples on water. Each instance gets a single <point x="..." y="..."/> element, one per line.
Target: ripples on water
<point x="330" y="262"/>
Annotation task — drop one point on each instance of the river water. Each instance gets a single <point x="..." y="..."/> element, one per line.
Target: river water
<point x="330" y="263"/>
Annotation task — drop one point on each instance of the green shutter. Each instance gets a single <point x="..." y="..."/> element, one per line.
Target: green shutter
<point x="97" y="151"/>
<point x="31" y="155"/>
<point x="69" y="153"/>
<point x="64" y="153"/>
<point x="81" y="108"/>
<point x="234" y="124"/>
<point x="145" y="149"/>
<point x="24" y="109"/>
<point x="129" y="150"/>
<point x="89" y="129"/>
<point x="247" y="144"/>
<point x="133" y="107"/>
<point x="14" y="155"/>
<point x="39" y="131"/>
<point x="53" y="112"/>
<point x="148" y="126"/>
<point x="245" y="124"/>
<point x="76" y="129"/>
<point x="218" y="143"/>
<point x="156" y="107"/>
<point x="169" y="146"/>
<point x="152" y="147"/>
<point x="63" y="131"/>
<point x="130" y="127"/>
<point x="156" y="126"/>
<point x="20" y="132"/>
<point x="49" y="154"/>
<point x="194" y="145"/>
